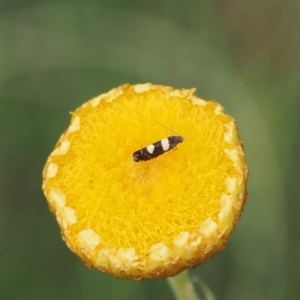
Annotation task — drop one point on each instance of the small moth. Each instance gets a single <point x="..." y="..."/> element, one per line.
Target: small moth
<point x="158" y="148"/>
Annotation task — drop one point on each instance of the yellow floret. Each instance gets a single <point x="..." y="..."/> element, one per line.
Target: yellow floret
<point x="146" y="219"/>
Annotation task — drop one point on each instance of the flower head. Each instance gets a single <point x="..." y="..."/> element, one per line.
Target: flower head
<point x="153" y="218"/>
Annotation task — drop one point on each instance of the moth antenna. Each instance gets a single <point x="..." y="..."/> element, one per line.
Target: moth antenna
<point x="167" y="128"/>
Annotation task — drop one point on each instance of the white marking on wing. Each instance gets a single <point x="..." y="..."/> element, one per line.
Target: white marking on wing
<point x="150" y="148"/>
<point x="165" y="144"/>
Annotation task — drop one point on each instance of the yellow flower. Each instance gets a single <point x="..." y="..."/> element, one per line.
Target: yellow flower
<point x="154" y="218"/>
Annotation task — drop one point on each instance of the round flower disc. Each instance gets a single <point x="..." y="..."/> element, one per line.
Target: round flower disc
<point x="152" y="218"/>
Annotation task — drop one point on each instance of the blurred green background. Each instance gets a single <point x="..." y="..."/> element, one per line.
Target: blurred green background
<point x="55" y="55"/>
